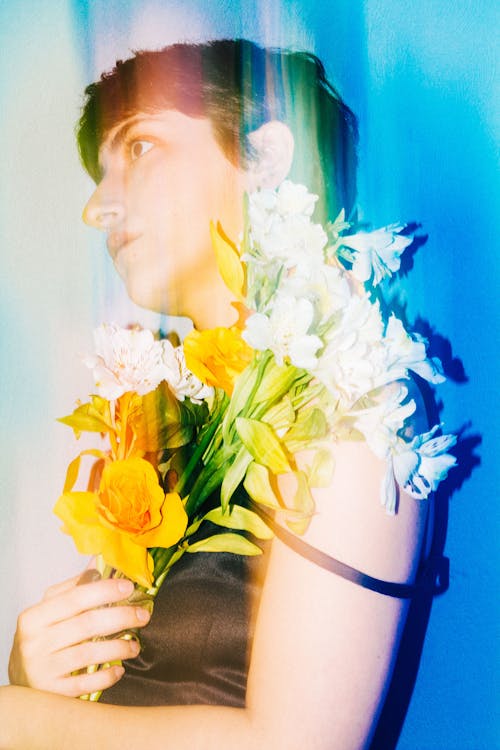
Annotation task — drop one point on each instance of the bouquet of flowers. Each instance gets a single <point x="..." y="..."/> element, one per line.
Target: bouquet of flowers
<point x="195" y="431"/>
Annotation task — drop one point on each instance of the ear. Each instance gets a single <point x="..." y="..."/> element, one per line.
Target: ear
<point x="270" y="164"/>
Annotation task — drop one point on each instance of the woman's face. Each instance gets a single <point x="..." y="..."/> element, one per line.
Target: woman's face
<point x="164" y="179"/>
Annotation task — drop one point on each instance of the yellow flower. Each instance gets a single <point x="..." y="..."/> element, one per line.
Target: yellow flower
<point x="217" y="356"/>
<point x="129" y="514"/>
<point x="231" y="269"/>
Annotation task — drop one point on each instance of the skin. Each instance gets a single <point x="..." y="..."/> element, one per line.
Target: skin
<point x="164" y="180"/>
<point x="324" y="648"/>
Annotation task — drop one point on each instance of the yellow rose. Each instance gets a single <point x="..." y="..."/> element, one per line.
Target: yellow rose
<point x="128" y="514"/>
<point x="217" y="356"/>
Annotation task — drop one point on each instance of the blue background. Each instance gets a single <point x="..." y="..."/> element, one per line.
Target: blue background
<point x="423" y="79"/>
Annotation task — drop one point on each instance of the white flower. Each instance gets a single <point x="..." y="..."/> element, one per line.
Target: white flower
<point x="285" y="332"/>
<point x="351" y="362"/>
<point x="381" y="422"/>
<point x="324" y="286"/>
<point x="125" y="360"/>
<point x="378" y="253"/>
<point x="420" y="465"/>
<point x="293" y="241"/>
<point x="182" y="382"/>
<point x="281" y="227"/>
<point x="261" y="209"/>
<point x="403" y="353"/>
<point x="293" y="199"/>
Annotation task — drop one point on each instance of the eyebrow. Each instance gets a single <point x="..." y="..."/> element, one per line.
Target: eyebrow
<point x="121" y="134"/>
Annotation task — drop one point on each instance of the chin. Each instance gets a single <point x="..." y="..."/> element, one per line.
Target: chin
<point x="152" y="297"/>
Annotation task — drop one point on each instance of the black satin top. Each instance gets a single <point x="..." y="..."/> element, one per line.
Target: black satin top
<point x="195" y="649"/>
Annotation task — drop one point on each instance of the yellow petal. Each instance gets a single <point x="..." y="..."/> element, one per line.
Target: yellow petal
<point x="133" y="560"/>
<point x="172" y="526"/>
<point x="81" y="521"/>
<point x="230" y="266"/>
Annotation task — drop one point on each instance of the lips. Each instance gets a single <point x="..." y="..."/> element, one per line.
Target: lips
<point x="116" y="241"/>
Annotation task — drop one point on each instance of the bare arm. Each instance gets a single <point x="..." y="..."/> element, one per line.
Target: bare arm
<point x="322" y="655"/>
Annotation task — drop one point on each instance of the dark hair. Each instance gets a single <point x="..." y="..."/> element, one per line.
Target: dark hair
<point x="239" y="86"/>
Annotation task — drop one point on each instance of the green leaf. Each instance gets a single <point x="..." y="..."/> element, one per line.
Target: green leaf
<point x="303" y="502"/>
<point x="261" y="441"/>
<point x="258" y="486"/>
<point x="166" y="422"/>
<point x="277" y="381"/>
<point x="193" y="528"/>
<point x="310" y="425"/>
<point x="322" y="467"/>
<point x="243" y="389"/>
<point x="234" y="475"/>
<point x="235" y="543"/>
<point x="280" y="416"/>
<point x="242" y="519"/>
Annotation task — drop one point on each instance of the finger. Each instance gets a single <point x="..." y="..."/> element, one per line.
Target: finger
<point x="60" y="588"/>
<point x="89" y="576"/>
<point x="95" y="623"/>
<point x="72" y="602"/>
<point x="84" y="684"/>
<point x="94" y="652"/>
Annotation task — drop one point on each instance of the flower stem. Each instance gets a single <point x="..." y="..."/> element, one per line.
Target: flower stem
<point x="197" y="454"/>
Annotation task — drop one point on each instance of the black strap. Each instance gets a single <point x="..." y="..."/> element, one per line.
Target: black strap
<point x="425" y="581"/>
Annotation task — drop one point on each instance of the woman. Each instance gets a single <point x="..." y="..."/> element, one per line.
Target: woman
<point x="175" y="139"/>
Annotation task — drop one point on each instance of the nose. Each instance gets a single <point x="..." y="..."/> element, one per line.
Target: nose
<point x="105" y="209"/>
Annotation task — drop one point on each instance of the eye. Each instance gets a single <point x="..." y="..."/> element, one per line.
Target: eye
<point x="138" y="148"/>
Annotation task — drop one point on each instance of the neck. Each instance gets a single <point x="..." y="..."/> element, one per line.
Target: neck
<point x="206" y="299"/>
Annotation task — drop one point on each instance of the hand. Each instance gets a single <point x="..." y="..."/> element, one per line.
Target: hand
<point x="53" y="638"/>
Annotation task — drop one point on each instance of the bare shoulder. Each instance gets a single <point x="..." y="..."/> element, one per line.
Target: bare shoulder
<point x="341" y="638"/>
<point x="350" y="522"/>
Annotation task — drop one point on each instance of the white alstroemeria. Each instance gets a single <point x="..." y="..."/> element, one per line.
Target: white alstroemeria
<point x="403" y="353"/>
<point x="181" y="381"/>
<point x="421" y="464"/>
<point x="293" y="199"/>
<point x="289" y="199"/>
<point x="293" y="241"/>
<point x="417" y="466"/>
<point x="125" y="360"/>
<point x="381" y="422"/>
<point x="376" y="254"/>
<point x="261" y="210"/>
<point x="326" y="287"/>
<point x="285" y="332"/>
<point x="349" y="366"/>
<point x="281" y="228"/>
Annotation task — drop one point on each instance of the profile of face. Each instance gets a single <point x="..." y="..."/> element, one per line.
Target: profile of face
<point x="164" y="179"/>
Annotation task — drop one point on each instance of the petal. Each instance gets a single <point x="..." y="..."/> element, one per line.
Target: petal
<point x="405" y="464"/>
<point x="388" y="490"/>
<point x="121" y="552"/>
<point x="77" y="510"/>
<point x="230" y="266"/>
<point x="172" y="527"/>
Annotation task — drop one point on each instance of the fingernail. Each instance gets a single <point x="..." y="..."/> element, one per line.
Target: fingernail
<point x="125" y="586"/>
<point x="88" y="576"/>
<point x="142" y="614"/>
<point x="134" y="648"/>
<point x="119" y="671"/>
